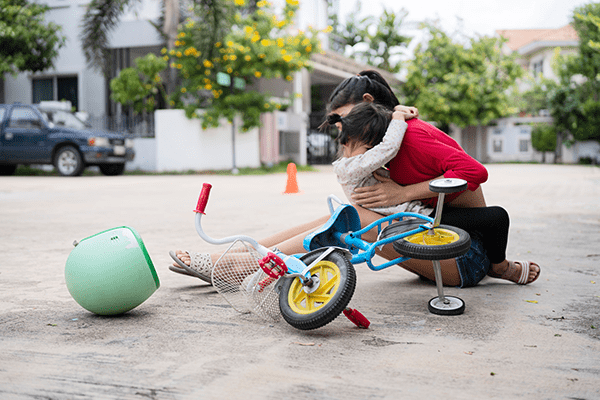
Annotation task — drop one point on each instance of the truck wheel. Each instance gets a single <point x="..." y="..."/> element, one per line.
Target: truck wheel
<point x="68" y="161"/>
<point x="6" y="170"/>
<point x="112" y="169"/>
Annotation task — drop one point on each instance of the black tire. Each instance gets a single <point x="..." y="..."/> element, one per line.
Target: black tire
<point x="420" y="251"/>
<point x="68" y="161"/>
<point x="112" y="169"/>
<point x="455" y="306"/>
<point x="329" y="310"/>
<point x="7" y="170"/>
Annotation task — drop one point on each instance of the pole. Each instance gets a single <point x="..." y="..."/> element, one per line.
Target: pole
<point x="234" y="169"/>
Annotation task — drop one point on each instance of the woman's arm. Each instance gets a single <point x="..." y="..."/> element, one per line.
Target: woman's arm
<point x="388" y="193"/>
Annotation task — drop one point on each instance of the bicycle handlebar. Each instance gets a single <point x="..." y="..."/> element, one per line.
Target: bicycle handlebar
<point x="203" y="199"/>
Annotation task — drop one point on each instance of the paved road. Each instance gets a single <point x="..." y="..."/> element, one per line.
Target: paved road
<point x="185" y="342"/>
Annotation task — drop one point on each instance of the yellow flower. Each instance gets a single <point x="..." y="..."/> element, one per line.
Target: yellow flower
<point x="308" y="49"/>
<point x="207" y="72"/>
<point x="229" y="70"/>
<point x="261" y="3"/>
<point x="208" y="86"/>
<point x="289" y="78"/>
<point x="183" y="90"/>
<point x="208" y="64"/>
<point x="262" y="55"/>
<point x="265" y="42"/>
<point x="179" y="66"/>
<point x="240" y="2"/>
<point x="257" y="74"/>
<point x="172" y="52"/>
<point x="306" y="42"/>
<point x="267" y="105"/>
<point x="278" y="106"/>
<point x="292" y="2"/>
<point x="172" y="102"/>
<point x="166" y="58"/>
<point x="163" y="50"/>
<point x="255" y="38"/>
<point x="233" y="57"/>
<point x="218" y="44"/>
<point x="177" y="43"/>
<point x="280" y="42"/>
<point x="156" y="78"/>
<point x="248" y="30"/>
<point x="287" y="58"/>
<point x="148" y="86"/>
<point x="178" y="54"/>
<point x="181" y="35"/>
<point x="229" y="43"/>
<point x="247" y="58"/>
<point x="328" y="29"/>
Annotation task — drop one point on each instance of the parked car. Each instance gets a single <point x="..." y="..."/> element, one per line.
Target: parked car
<point x="49" y="133"/>
<point x="321" y="148"/>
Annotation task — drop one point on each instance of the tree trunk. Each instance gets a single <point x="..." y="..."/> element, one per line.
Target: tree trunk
<point x="170" y="31"/>
<point x="558" y="150"/>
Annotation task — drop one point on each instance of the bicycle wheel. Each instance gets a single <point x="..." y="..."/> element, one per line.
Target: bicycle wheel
<point x="308" y="308"/>
<point x="446" y="241"/>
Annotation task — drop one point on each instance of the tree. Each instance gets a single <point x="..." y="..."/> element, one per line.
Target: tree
<point x="27" y="42"/>
<point x="575" y="104"/>
<point x="374" y="41"/>
<point x="138" y="87"/>
<point x="258" y="45"/>
<point x="543" y="138"/>
<point x="465" y="85"/>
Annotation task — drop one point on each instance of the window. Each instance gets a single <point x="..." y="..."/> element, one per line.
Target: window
<point x="24" y="118"/>
<point x="55" y="88"/>
<point x="538" y="68"/>
<point x="497" y="145"/>
<point x="524" y="145"/>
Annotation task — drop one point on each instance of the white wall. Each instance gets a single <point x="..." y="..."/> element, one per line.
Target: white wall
<point x="182" y="144"/>
<point x="145" y="155"/>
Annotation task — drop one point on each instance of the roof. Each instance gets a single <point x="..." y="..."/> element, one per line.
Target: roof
<point x="520" y="38"/>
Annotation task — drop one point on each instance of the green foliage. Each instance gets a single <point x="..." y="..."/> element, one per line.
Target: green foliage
<point x="465" y="85"/>
<point x="138" y="86"/>
<point x="575" y="104"/>
<point x="257" y="45"/>
<point x="374" y="41"/>
<point x="27" y="42"/>
<point x="537" y="97"/>
<point x="543" y="137"/>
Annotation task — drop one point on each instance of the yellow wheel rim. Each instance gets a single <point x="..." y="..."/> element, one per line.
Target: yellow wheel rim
<point x="440" y="237"/>
<point x="302" y="302"/>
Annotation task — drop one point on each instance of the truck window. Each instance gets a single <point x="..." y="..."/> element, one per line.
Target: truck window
<point x="24" y="118"/>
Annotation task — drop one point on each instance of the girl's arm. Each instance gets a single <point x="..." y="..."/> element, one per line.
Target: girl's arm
<point x="361" y="165"/>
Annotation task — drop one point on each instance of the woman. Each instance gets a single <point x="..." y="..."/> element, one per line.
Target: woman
<point x="426" y="154"/>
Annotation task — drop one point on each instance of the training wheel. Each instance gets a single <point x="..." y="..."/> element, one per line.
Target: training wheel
<point x="451" y="306"/>
<point x="448" y="185"/>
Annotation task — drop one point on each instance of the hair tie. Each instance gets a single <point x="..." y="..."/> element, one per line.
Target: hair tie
<point x="333" y="119"/>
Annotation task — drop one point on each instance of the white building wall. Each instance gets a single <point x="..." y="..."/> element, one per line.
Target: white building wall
<point x="182" y="144"/>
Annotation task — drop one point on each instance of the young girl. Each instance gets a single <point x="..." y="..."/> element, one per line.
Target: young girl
<point x="370" y="137"/>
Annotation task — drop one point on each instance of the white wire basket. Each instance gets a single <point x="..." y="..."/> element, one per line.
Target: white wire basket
<point x="238" y="277"/>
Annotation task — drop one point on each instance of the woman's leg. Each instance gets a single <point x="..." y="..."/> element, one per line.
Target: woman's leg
<point x="470" y="199"/>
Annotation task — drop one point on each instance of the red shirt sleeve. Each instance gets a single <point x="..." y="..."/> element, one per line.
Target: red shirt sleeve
<point x="428" y="153"/>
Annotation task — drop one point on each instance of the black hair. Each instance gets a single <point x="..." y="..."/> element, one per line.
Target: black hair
<point x="352" y="89"/>
<point x="366" y="124"/>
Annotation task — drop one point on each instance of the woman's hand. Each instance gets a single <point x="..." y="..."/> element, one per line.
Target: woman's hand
<point x="406" y="112"/>
<point x="384" y="194"/>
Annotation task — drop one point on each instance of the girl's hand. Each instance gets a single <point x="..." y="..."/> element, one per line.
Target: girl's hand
<point x="405" y="112"/>
<point x="384" y="194"/>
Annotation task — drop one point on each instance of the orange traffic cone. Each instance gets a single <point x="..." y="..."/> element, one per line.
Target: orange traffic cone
<point x="292" y="184"/>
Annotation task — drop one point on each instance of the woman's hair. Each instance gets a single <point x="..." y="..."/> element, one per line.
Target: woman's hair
<point x="352" y="89"/>
<point x="366" y="124"/>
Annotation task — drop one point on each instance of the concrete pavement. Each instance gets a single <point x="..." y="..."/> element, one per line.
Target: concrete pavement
<point x="533" y="342"/>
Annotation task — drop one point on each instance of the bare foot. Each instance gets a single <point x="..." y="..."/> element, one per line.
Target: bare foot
<point x="513" y="271"/>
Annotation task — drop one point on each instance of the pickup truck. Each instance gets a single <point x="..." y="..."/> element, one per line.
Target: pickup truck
<point x="50" y="134"/>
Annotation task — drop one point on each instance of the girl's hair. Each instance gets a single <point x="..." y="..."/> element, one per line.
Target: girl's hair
<point x="366" y="124"/>
<point x="352" y="89"/>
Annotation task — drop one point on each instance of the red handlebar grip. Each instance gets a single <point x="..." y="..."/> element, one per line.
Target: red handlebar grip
<point x="203" y="199"/>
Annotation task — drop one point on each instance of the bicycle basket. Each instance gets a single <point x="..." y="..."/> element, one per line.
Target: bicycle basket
<point x="238" y="277"/>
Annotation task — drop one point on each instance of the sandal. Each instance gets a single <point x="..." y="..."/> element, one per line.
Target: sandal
<point x="513" y="268"/>
<point x="200" y="266"/>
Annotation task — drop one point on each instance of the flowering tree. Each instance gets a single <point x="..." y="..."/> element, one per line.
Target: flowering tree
<point x="260" y="44"/>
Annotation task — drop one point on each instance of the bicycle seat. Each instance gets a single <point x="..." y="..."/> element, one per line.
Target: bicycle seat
<point x="344" y="219"/>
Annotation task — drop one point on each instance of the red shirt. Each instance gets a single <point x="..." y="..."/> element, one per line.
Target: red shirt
<point x="427" y="153"/>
